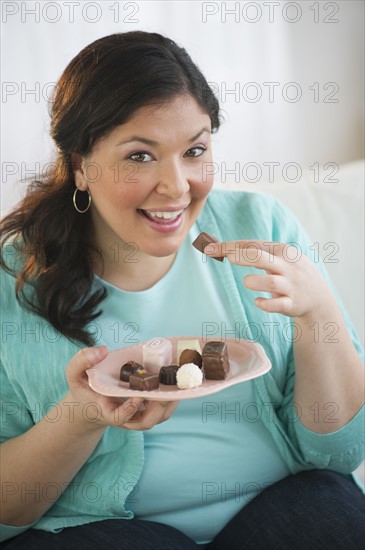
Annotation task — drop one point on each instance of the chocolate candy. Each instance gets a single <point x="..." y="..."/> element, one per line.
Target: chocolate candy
<point x="191" y="356"/>
<point x="145" y="381"/>
<point x="189" y="376"/>
<point x="187" y="344"/>
<point x="168" y="375"/>
<point x="215" y="360"/>
<point x="203" y="240"/>
<point x="130" y="367"/>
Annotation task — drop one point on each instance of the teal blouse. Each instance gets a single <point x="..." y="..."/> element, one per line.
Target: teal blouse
<point x="34" y="356"/>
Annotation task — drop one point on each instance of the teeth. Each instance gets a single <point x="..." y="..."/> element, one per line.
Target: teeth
<point x="165" y="215"/>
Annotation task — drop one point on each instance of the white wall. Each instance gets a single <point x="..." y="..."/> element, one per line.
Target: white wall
<point x="232" y="50"/>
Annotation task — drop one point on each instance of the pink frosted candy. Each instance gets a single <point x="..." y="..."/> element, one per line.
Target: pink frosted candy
<point x="157" y="353"/>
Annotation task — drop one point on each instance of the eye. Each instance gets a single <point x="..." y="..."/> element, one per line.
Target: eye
<point x="196" y="151"/>
<point x="140" y="156"/>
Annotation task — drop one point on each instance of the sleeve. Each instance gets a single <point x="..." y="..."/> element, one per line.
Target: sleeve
<point x="15" y="420"/>
<point x="15" y="417"/>
<point x="342" y="450"/>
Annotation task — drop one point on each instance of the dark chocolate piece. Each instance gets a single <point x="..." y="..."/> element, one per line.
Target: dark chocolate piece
<point x="190" y="356"/>
<point x="130" y="367"/>
<point x="203" y="240"/>
<point x="168" y="374"/>
<point x="215" y="360"/>
<point x="145" y="381"/>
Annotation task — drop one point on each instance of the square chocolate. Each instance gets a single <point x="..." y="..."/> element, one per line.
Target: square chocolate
<point x="203" y="240"/>
<point x="215" y="360"/>
<point x="145" y="381"/>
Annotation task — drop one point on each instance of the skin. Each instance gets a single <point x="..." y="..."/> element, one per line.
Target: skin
<point x="135" y="176"/>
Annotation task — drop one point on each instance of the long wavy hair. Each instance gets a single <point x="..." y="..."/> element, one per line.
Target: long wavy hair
<point x="101" y="88"/>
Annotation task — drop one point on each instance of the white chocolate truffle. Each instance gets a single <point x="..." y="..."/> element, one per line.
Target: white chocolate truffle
<point x="187" y="344"/>
<point x="156" y="354"/>
<point x="189" y="376"/>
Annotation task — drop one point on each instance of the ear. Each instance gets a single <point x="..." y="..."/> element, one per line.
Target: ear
<point x="78" y="168"/>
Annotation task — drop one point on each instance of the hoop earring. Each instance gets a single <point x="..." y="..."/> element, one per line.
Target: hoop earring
<point x="75" y="205"/>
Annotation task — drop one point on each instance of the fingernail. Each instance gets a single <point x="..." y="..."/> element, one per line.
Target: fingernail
<point x="210" y="249"/>
<point x="97" y="352"/>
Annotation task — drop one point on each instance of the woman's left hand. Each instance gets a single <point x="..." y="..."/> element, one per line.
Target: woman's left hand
<point x="297" y="287"/>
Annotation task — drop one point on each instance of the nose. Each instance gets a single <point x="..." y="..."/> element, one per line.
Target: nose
<point x="172" y="180"/>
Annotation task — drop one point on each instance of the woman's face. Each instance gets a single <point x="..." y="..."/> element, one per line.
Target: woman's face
<point x="147" y="178"/>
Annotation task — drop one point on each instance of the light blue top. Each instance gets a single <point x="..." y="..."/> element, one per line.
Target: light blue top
<point x="32" y="376"/>
<point x="215" y="454"/>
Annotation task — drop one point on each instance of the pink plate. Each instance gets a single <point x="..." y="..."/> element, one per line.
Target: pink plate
<point x="247" y="360"/>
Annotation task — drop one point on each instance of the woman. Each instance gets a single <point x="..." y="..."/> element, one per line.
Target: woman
<point x="100" y="256"/>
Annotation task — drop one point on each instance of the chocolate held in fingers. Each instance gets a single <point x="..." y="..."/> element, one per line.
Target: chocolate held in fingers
<point x="203" y="240"/>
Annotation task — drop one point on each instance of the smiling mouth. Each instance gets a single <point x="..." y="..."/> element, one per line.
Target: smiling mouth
<point x="162" y="216"/>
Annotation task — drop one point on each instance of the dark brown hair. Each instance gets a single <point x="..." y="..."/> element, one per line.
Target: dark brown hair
<point x="101" y="88"/>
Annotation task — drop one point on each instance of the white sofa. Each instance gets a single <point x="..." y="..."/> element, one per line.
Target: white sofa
<point x="331" y="213"/>
<point x="333" y="216"/>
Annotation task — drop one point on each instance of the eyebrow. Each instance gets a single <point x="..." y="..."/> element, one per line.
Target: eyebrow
<point x="152" y="142"/>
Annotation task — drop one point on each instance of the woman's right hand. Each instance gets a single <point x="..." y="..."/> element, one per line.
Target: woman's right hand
<point x="57" y="450"/>
<point x="96" y="410"/>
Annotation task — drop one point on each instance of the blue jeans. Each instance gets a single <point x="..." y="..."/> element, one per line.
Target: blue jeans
<point x="313" y="510"/>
